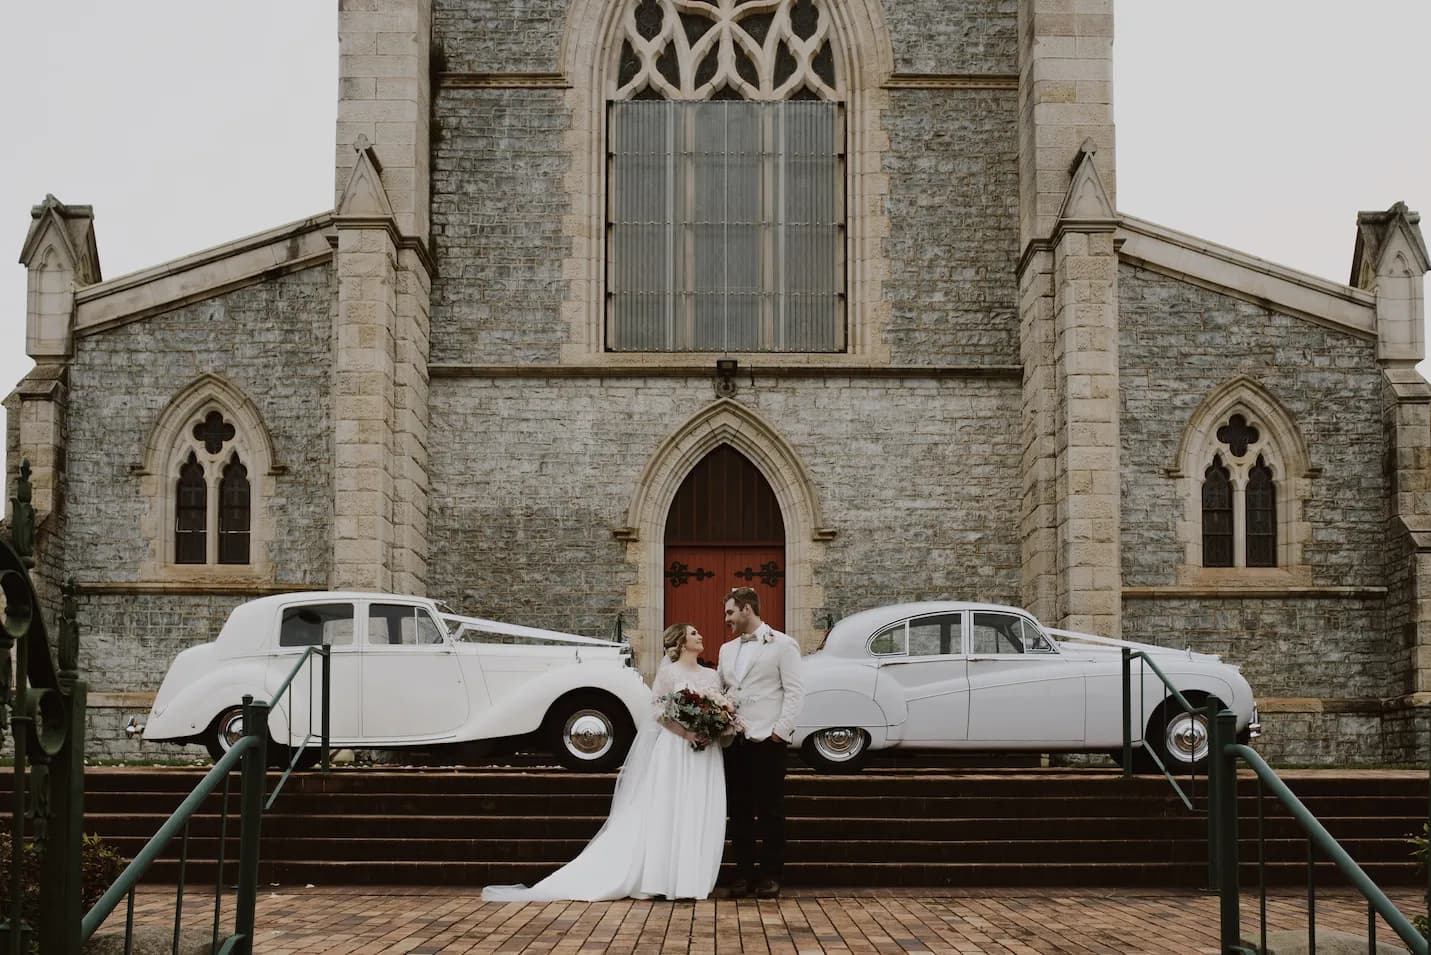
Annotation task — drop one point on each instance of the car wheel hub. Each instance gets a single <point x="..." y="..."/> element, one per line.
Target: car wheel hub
<point x="589" y="734"/>
<point x="231" y="731"/>
<point x="839" y="745"/>
<point x="1187" y="738"/>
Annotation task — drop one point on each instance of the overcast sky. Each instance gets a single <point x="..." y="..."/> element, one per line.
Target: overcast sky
<point x="1260" y="124"/>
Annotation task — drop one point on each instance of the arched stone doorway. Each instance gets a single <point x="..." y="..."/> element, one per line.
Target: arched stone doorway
<point x="723" y="530"/>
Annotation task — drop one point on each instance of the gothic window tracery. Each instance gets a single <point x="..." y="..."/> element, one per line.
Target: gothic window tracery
<point x="744" y="49"/>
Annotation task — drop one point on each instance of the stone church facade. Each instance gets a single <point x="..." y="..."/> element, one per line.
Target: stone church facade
<point x="872" y="246"/>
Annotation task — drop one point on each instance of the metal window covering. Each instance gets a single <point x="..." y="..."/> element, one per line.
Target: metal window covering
<point x="726" y="224"/>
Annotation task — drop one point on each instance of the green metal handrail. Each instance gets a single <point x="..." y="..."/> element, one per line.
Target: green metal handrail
<point x="1222" y="809"/>
<point x="326" y="652"/>
<point x="251" y="752"/>
<point x="1206" y="710"/>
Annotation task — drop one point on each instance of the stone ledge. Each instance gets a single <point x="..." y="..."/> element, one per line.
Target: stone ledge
<point x="953" y="81"/>
<point x="1234" y="592"/>
<point x="120" y="700"/>
<point x="1312" y="704"/>
<point x="702" y="367"/>
<point x="502" y="81"/>
<point x="1369" y="706"/>
<point x="191" y="588"/>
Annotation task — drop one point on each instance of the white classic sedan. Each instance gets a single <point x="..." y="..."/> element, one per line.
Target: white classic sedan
<point x="947" y="675"/>
<point x="404" y="674"/>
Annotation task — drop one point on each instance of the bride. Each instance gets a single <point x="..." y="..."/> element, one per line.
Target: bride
<point x="667" y="825"/>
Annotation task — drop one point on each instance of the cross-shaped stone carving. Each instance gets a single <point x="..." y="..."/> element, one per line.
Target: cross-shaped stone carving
<point x="213" y="431"/>
<point x="1237" y="434"/>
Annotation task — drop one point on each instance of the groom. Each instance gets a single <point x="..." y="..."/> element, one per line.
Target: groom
<point x="761" y="672"/>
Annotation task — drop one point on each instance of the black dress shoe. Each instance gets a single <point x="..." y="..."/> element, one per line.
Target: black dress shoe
<point x="739" y="888"/>
<point x="767" y="889"/>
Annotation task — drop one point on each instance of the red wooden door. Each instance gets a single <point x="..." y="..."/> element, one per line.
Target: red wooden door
<point x="724" y="531"/>
<point x="698" y="578"/>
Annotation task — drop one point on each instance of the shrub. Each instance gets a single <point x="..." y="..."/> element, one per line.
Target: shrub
<point x="100" y="865"/>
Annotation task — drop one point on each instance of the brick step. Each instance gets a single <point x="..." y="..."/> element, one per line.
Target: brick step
<point x="554" y="852"/>
<point x="556" y="781"/>
<point x="281" y="824"/>
<point x="976" y="874"/>
<point x="799" y="805"/>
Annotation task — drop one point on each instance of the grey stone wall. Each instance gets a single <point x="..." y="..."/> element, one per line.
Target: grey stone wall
<point x="126" y="645"/>
<point x="1177" y="342"/>
<point x="498" y="199"/>
<point x="953" y="224"/>
<point x="967" y="36"/>
<point x="524" y="504"/>
<point x="928" y="36"/>
<point x="499" y="36"/>
<point x="1322" y="647"/>
<point x="1325" y="739"/>
<point x="270" y="340"/>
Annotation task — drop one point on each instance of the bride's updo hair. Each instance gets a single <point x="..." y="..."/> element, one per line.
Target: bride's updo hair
<point x="674" y="640"/>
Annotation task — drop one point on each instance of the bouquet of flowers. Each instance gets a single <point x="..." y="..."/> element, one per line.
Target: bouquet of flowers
<point x="707" y="714"/>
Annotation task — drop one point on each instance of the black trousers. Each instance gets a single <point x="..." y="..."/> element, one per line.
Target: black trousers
<point x="755" y="802"/>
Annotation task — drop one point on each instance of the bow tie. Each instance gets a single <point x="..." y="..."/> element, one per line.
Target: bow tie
<point x="746" y="638"/>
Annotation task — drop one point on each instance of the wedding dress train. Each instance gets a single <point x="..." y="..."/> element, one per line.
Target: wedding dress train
<point x="666" y="829"/>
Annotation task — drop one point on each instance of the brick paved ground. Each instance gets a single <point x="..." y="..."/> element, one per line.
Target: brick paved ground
<point x="424" y="921"/>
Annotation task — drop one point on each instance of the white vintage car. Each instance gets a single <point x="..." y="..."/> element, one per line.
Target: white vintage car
<point x="404" y="674"/>
<point x="947" y="675"/>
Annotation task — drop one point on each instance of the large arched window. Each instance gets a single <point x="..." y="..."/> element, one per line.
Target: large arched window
<point x="725" y="179"/>
<point x="211" y="497"/>
<point x="1244" y="472"/>
<point x="208" y="470"/>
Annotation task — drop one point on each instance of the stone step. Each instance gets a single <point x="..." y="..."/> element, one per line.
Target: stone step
<point x="1189" y="827"/>
<point x="884" y="874"/>
<point x="797" y="805"/>
<point x="1067" y="783"/>
<point x="990" y="827"/>
<point x="554" y="852"/>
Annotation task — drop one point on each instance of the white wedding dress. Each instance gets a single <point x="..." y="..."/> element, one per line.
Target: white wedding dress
<point x="666" y="829"/>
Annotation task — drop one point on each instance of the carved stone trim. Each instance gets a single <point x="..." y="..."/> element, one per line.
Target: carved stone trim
<point x="953" y="81"/>
<point x="237" y="588"/>
<point x="503" y="81"/>
<point x="1232" y="592"/>
<point x="703" y="370"/>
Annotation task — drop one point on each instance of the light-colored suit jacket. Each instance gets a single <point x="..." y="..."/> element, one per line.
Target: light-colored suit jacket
<point x="769" y="693"/>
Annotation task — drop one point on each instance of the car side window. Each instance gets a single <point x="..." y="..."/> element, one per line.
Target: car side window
<point x="938" y="634"/>
<point x="401" y="625"/>
<point x="317" y="625"/>
<point x="889" y="641"/>
<point x="998" y="633"/>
